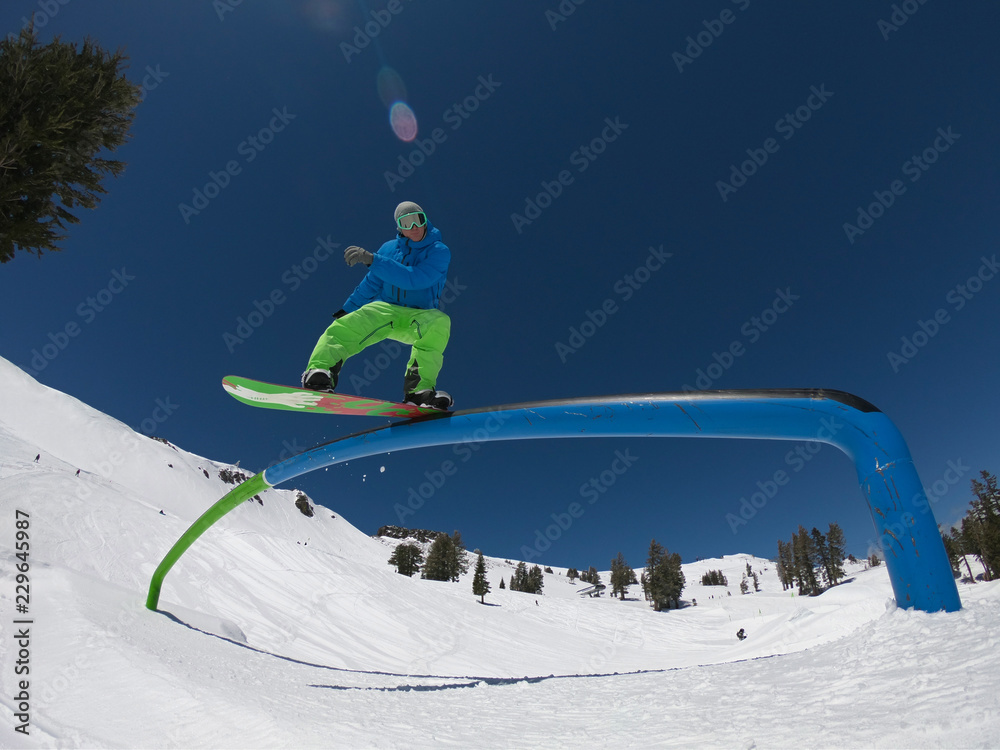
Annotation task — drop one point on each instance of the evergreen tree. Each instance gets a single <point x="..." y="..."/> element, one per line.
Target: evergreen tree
<point x="519" y="581"/>
<point x="785" y="565"/>
<point x="744" y="586"/>
<point x="622" y="576"/>
<point x="714" y="578"/>
<point x="662" y="580"/>
<point x="675" y="579"/>
<point x="59" y="108"/>
<point x="651" y="586"/>
<point x="480" y="586"/>
<point x="572" y="574"/>
<point x="536" y="581"/>
<point x="953" y="550"/>
<point x="836" y="547"/>
<point x="502" y="584"/>
<point x="591" y="576"/>
<point x="441" y="560"/>
<point x="458" y="563"/>
<point x="984" y="524"/>
<point x="822" y="556"/>
<point x="756" y="581"/>
<point x="407" y="558"/>
<point x="805" y="563"/>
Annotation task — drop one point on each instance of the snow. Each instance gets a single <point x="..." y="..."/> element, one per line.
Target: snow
<point x="280" y="630"/>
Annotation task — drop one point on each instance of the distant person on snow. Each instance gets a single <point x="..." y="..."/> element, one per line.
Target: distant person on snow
<point x="397" y="299"/>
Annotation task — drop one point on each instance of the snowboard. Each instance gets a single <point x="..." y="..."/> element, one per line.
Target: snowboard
<point x="289" y="398"/>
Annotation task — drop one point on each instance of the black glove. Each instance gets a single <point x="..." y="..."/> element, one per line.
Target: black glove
<point x="339" y="314"/>
<point x="355" y="254"/>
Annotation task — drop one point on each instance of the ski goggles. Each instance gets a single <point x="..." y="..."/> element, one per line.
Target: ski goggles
<point x="410" y="220"/>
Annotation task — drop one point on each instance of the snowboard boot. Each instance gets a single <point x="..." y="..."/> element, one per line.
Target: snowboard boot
<point x="430" y="398"/>
<point x="319" y="380"/>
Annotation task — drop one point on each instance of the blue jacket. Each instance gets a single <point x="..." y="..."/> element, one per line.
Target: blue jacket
<point x="405" y="273"/>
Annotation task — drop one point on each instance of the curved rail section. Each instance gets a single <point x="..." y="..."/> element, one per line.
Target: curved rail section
<point x="915" y="557"/>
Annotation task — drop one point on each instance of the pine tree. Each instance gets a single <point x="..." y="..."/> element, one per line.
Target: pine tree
<point x="785" y="565"/>
<point x="836" y="546"/>
<point x="519" y="581"/>
<point x="480" y="586"/>
<point x="984" y="524"/>
<point x="407" y="559"/>
<point x="440" y="562"/>
<point x="663" y="579"/>
<point x="756" y="581"/>
<point x="536" y="581"/>
<point x="822" y="556"/>
<point x="591" y="576"/>
<point x="622" y="576"/>
<point x="651" y="585"/>
<point x="502" y="584"/>
<point x="714" y="578"/>
<point x="572" y="574"/>
<point x="675" y="579"/>
<point x="59" y="108"/>
<point x="804" y="562"/>
<point x="458" y="562"/>
<point x="953" y="550"/>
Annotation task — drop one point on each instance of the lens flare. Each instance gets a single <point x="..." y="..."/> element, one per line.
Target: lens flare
<point x="403" y="121"/>
<point x="390" y="86"/>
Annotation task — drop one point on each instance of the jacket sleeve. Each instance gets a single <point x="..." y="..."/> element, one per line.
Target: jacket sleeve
<point x="367" y="291"/>
<point x="431" y="270"/>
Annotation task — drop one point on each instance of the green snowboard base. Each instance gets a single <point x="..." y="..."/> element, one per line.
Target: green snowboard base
<point x="288" y="398"/>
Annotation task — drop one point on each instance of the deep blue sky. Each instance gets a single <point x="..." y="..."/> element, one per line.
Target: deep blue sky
<point x="214" y="82"/>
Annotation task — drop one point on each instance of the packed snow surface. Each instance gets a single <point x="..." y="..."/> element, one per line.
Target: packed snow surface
<point x="281" y="630"/>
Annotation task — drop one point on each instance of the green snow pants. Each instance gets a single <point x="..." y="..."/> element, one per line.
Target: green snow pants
<point x="427" y="331"/>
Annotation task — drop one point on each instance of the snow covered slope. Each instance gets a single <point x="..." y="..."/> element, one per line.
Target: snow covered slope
<point x="277" y="629"/>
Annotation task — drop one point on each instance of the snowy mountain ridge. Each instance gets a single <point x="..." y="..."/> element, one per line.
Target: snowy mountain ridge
<point x="280" y="629"/>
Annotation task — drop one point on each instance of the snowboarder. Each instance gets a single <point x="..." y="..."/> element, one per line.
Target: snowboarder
<point x="741" y="634"/>
<point x="397" y="299"/>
